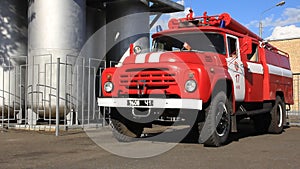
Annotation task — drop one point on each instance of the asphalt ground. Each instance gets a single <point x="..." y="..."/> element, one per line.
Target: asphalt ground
<point x="75" y="150"/>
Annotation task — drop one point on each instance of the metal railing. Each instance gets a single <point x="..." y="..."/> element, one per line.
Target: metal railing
<point x="294" y="113"/>
<point x="51" y="95"/>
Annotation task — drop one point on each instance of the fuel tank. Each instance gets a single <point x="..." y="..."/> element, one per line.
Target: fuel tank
<point x="56" y="29"/>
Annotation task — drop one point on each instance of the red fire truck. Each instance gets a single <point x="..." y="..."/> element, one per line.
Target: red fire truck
<point x="210" y="70"/>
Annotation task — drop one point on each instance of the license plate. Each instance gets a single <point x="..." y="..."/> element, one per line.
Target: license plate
<point x="136" y="103"/>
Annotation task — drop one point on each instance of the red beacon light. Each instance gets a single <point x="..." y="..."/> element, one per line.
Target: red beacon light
<point x="190" y="16"/>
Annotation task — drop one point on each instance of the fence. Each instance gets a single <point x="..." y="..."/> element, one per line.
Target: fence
<point x="39" y="95"/>
<point x="294" y="113"/>
<point x="62" y="93"/>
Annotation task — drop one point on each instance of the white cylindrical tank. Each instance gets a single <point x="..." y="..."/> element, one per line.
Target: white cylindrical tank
<point x="56" y="30"/>
<point x="13" y="52"/>
<point x="111" y="30"/>
<point x="127" y="23"/>
<point x="86" y="80"/>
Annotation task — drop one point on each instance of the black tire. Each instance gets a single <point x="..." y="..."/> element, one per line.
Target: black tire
<point x="125" y="130"/>
<point x="278" y="115"/>
<point x="215" y="131"/>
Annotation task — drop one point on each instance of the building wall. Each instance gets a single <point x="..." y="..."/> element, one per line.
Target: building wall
<point x="292" y="47"/>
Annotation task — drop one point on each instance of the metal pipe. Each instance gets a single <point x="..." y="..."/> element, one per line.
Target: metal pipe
<point x="21" y="109"/>
<point x="44" y="98"/>
<point x="66" y="93"/>
<point x="72" y="99"/>
<point x="57" y="97"/>
<point x="77" y="92"/>
<point x="3" y="113"/>
<point x="15" y="92"/>
<point x="26" y="94"/>
<point x="89" y="90"/>
<point x="9" y="92"/>
<point x="37" y="99"/>
<point x="94" y="92"/>
<point x="3" y="102"/>
<point x="50" y="103"/>
<point x="100" y="95"/>
<point x="31" y="106"/>
<point x="82" y="92"/>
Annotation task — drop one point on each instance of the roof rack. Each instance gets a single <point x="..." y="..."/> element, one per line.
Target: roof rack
<point x="223" y="20"/>
<point x="205" y="20"/>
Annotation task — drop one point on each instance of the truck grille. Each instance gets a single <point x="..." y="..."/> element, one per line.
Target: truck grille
<point x="152" y="78"/>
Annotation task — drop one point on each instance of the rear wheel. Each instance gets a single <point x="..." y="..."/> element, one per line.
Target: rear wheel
<point x="216" y="129"/>
<point x="278" y="115"/>
<point x="272" y="122"/>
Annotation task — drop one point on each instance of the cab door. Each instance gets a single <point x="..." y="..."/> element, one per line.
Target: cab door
<point x="235" y="67"/>
<point x="254" y="76"/>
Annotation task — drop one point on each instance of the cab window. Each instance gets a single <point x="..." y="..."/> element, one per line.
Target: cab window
<point x="253" y="57"/>
<point x="203" y="42"/>
<point x="232" y="46"/>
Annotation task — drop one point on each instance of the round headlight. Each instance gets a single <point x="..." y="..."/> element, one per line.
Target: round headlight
<point x="108" y="86"/>
<point x="190" y="86"/>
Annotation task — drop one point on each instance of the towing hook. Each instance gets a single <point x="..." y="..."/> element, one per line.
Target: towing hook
<point x="135" y="115"/>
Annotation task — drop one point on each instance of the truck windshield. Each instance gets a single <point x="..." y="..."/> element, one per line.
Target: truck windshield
<point x="206" y="42"/>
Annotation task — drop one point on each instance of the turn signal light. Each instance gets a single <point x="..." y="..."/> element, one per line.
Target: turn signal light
<point x="109" y="77"/>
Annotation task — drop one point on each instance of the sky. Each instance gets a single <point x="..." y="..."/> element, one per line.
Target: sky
<point x="279" y="22"/>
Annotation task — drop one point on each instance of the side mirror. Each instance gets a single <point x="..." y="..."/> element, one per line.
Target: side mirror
<point x="246" y="47"/>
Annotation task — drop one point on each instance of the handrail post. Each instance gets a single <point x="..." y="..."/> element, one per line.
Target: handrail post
<point x="57" y="97"/>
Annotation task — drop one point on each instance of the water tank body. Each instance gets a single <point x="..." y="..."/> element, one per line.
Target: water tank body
<point x="56" y="29"/>
<point x="13" y="54"/>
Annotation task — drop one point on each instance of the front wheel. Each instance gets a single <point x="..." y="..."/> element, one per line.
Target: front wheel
<point x="216" y="128"/>
<point x="126" y="131"/>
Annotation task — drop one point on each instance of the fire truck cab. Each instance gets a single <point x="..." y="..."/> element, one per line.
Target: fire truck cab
<point x="208" y="71"/>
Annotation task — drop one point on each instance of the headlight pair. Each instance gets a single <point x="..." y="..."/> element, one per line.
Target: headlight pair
<point x="190" y="86"/>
